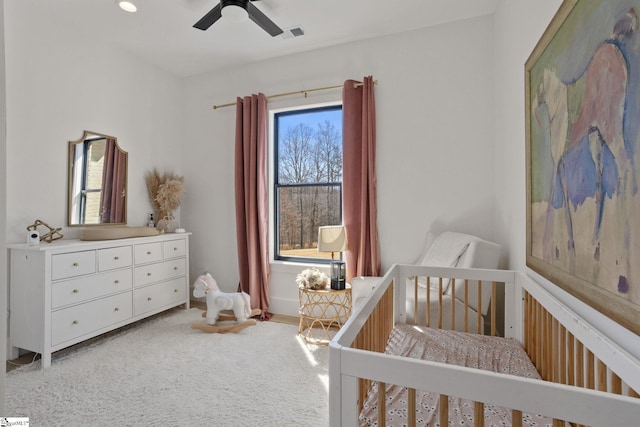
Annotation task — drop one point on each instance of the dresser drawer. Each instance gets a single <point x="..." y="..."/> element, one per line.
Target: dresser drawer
<point x="147" y="274"/>
<point x="113" y="258"/>
<point x="162" y="294"/>
<point x="72" y="264"/>
<point x="85" y="288"/>
<point x="73" y="322"/>
<point x="174" y="248"/>
<point x="148" y="252"/>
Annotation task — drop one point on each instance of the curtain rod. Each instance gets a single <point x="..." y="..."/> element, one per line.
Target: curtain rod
<point x="297" y="92"/>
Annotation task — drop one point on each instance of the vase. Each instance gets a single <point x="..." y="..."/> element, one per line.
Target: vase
<point x="167" y="224"/>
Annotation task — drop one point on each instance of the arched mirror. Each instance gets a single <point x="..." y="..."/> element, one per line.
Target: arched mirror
<point x="97" y="192"/>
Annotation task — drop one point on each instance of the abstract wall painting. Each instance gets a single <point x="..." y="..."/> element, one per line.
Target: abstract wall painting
<point x="582" y="93"/>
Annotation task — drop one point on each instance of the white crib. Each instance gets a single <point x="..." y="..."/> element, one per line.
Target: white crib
<point x="586" y="378"/>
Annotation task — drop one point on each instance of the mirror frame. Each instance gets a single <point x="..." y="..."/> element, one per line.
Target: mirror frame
<point x="70" y="178"/>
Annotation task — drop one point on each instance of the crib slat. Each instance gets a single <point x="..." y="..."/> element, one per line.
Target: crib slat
<point x="466" y="298"/>
<point x="616" y="384"/>
<point x="602" y="376"/>
<point x="415" y="299"/>
<point x="382" y="411"/>
<point x="591" y="370"/>
<point x="411" y="408"/>
<point x="479" y="328"/>
<point x="439" y="302"/>
<point x="494" y="296"/>
<point x="444" y="410"/>
<point x="428" y="306"/>
<point x="563" y="355"/>
<point x="570" y="359"/>
<point x="547" y="345"/>
<point x="539" y="335"/>
<point x="555" y="368"/>
<point x="478" y="414"/>
<point x="579" y="364"/>
<point x="516" y="418"/>
<point x="527" y="324"/>
<point x="453" y="305"/>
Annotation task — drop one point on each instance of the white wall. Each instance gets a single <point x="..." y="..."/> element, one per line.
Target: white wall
<point x="519" y="26"/>
<point x="59" y="83"/>
<point x="435" y="156"/>
<point x="3" y="212"/>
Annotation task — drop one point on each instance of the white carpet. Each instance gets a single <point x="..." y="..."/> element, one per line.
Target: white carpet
<point x="163" y="373"/>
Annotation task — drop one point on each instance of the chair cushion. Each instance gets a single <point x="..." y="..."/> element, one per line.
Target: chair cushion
<point x="445" y="251"/>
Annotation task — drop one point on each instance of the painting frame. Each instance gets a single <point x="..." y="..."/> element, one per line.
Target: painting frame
<point x="544" y="255"/>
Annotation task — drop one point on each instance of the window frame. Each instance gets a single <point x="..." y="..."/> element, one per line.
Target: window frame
<point x="275" y="186"/>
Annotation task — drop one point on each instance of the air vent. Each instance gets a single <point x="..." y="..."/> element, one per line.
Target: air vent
<point x="292" y="32"/>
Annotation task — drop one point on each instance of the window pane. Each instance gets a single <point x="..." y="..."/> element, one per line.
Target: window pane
<point x="93" y="181"/>
<point x="308" y="178"/>
<point x="92" y="207"/>
<point x="302" y="211"/>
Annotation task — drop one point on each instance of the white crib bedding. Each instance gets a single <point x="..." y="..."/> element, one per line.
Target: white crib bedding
<point x="455" y="348"/>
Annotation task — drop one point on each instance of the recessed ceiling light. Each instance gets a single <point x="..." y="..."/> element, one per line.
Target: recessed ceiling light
<point x="127" y="5"/>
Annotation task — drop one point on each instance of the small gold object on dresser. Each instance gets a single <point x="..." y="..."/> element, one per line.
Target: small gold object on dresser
<point x="53" y="234"/>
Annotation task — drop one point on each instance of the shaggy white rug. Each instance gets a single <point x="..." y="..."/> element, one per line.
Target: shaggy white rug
<point x="161" y="372"/>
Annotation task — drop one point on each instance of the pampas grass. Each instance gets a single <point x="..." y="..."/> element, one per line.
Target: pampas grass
<point x="165" y="191"/>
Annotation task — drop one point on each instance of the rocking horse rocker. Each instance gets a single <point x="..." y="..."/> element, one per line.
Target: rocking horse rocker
<point x="217" y="301"/>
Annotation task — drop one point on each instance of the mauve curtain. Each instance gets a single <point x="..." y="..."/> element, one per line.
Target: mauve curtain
<point x="251" y="200"/>
<point x="113" y="183"/>
<point x="359" y="178"/>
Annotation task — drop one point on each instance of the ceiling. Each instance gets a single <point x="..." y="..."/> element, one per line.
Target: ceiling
<point x="161" y="31"/>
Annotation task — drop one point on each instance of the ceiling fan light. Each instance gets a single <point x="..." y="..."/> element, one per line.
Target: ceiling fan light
<point x="127" y="5"/>
<point x="234" y="13"/>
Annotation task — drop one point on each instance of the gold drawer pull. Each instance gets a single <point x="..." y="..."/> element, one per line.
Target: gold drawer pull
<point x="175" y="290"/>
<point x="115" y="282"/>
<point x="148" y="298"/>
<point x="175" y="268"/>
<point x="148" y="274"/>
<point x="116" y="309"/>
<point x="75" y="291"/>
<point x="116" y="258"/>
<point x="75" y="264"/>
<point x="175" y="249"/>
<point x="149" y="253"/>
<point x="75" y="322"/>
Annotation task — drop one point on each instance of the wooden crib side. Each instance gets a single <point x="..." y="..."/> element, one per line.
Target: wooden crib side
<point x="374" y="334"/>
<point x="561" y="357"/>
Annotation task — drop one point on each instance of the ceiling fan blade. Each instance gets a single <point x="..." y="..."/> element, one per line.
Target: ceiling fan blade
<point x="261" y="19"/>
<point x="208" y="20"/>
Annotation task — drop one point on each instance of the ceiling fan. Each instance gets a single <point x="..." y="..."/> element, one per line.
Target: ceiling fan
<point x="254" y="14"/>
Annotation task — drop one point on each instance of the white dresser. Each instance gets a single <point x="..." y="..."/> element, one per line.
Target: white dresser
<point x="67" y="291"/>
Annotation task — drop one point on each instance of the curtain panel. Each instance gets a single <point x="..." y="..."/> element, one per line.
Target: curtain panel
<point x="251" y="194"/>
<point x="112" y="209"/>
<point x="359" y="178"/>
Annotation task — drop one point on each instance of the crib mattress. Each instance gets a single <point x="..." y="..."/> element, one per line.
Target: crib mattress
<point x="455" y="348"/>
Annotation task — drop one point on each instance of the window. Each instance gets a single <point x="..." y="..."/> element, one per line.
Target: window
<point x="90" y="155"/>
<point x="307" y="179"/>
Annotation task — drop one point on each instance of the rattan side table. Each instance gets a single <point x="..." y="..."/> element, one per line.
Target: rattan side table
<point x="322" y="313"/>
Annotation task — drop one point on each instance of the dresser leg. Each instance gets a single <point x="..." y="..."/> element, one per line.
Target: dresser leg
<point x="45" y="360"/>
